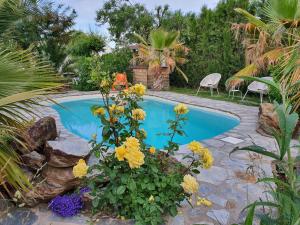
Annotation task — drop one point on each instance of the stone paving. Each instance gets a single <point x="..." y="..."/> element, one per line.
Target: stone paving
<point x="227" y="184"/>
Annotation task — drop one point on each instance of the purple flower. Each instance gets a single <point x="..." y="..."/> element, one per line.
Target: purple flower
<point x="66" y="205"/>
<point x="84" y="190"/>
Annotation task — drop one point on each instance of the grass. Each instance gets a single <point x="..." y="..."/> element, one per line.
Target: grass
<point x="251" y="99"/>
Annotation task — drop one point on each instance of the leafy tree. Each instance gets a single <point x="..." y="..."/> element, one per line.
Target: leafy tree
<point x="24" y="80"/>
<point x="47" y="28"/>
<point x="125" y="18"/>
<point x="83" y="44"/>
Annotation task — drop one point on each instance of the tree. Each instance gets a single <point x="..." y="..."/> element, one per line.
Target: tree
<point x="163" y="50"/>
<point x="24" y="80"/>
<point x="125" y="18"/>
<point x="47" y="28"/>
<point x="274" y="41"/>
<point x="83" y="44"/>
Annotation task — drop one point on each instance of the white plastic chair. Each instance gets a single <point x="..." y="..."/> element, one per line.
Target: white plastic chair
<point x="211" y="81"/>
<point x="258" y="87"/>
<point x="234" y="89"/>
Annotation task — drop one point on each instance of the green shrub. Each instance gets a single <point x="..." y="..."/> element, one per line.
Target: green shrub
<point x="135" y="181"/>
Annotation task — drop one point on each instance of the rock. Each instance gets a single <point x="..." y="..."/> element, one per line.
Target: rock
<point x="215" y="175"/>
<point x="267" y="118"/>
<point x="43" y="192"/>
<point x="33" y="160"/>
<point x="60" y="176"/>
<point x="64" y="153"/>
<point x="217" y="200"/>
<point x="221" y="216"/>
<point x="178" y="220"/>
<point x="43" y="130"/>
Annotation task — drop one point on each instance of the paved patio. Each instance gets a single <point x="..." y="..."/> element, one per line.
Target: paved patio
<point x="226" y="184"/>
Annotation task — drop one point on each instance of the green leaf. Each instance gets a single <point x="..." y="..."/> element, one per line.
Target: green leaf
<point x="121" y="190"/>
<point x="256" y="149"/>
<point x="250" y="215"/>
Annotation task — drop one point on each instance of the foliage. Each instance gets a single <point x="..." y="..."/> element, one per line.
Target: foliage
<point x="272" y="40"/>
<point x="205" y="33"/>
<point x="164" y="50"/>
<point x="83" y="44"/>
<point x="17" y="97"/>
<point x="285" y="198"/>
<point x="92" y="69"/>
<point x="46" y="28"/>
<point x="117" y="61"/>
<point x="135" y="181"/>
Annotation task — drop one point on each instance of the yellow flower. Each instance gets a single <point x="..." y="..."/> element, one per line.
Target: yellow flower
<point x="135" y="158"/>
<point x="196" y="147"/>
<point x="138" y="114"/>
<point x="204" y="201"/>
<point x="116" y="109"/>
<point x="143" y="133"/>
<point x="138" y="89"/>
<point x="190" y="184"/>
<point x="151" y="198"/>
<point x="104" y="83"/>
<point x="207" y="159"/>
<point x="99" y="111"/>
<point x="132" y="143"/>
<point x="181" y="109"/>
<point x="80" y="170"/>
<point x="152" y="150"/>
<point x="120" y="152"/>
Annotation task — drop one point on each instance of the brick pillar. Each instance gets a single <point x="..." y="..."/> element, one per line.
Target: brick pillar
<point x="140" y="74"/>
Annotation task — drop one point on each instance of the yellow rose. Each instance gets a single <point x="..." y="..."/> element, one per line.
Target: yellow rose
<point x="94" y="136"/>
<point x="120" y="152"/>
<point x="207" y="159"/>
<point x="99" y="111"/>
<point x="104" y="83"/>
<point x="196" y="147"/>
<point x="139" y="89"/>
<point x="115" y="109"/>
<point x="132" y="143"/>
<point x="204" y="201"/>
<point x="138" y="114"/>
<point x="181" y="109"/>
<point x="80" y="170"/>
<point x="135" y="158"/>
<point x="152" y="150"/>
<point x="190" y="184"/>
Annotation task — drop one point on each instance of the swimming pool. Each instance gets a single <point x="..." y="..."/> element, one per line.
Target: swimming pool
<point x="202" y="124"/>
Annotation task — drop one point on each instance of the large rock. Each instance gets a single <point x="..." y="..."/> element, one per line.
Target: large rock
<point x="64" y="153"/>
<point x="268" y="120"/>
<point x="43" y="130"/>
<point x="33" y="160"/>
<point x="60" y="176"/>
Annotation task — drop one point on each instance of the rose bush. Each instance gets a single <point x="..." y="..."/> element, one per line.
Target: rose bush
<point x="132" y="179"/>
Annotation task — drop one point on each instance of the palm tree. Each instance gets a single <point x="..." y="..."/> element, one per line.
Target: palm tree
<point x="271" y="42"/>
<point x="163" y="51"/>
<point x="24" y="82"/>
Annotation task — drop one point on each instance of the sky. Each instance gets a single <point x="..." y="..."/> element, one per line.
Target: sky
<point x="86" y="10"/>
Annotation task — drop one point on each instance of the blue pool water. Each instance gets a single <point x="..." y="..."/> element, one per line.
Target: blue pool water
<point x="76" y="116"/>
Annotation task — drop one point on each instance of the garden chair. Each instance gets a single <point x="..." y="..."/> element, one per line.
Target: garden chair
<point x="258" y="87"/>
<point x="120" y="80"/>
<point x="211" y="81"/>
<point x="234" y="89"/>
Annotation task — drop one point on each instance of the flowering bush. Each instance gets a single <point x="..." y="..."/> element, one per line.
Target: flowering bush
<point x="134" y="180"/>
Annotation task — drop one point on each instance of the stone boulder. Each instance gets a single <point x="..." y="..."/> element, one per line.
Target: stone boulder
<point x="33" y="160"/>
<point x="66" y="153"/>
<point x="43" y="130"/>
<point x="268" y="120"/>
